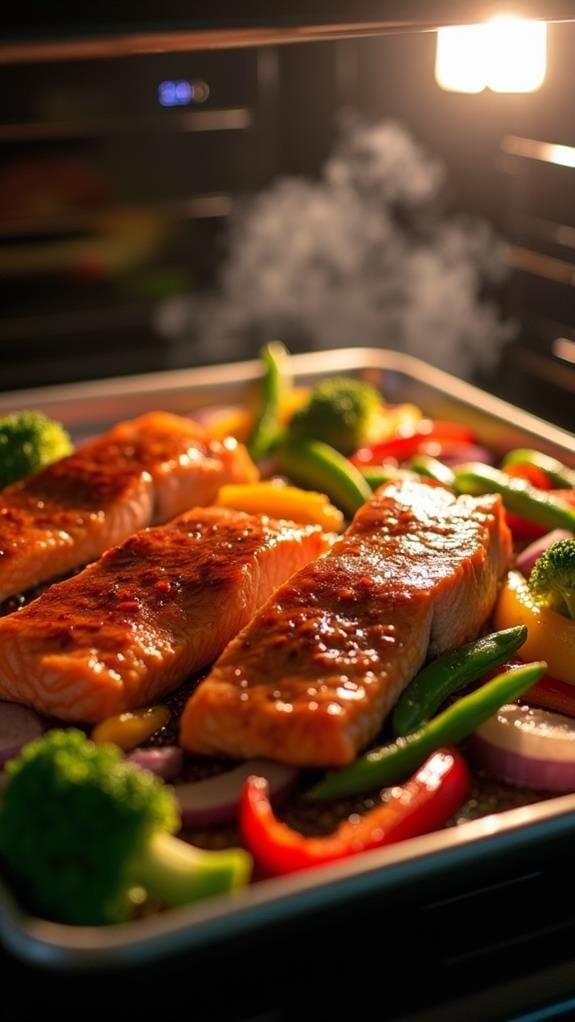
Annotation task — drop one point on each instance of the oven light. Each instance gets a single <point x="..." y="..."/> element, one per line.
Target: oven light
<point x="517" y="55"/>
<point x="460" y="58"/>
<point x="504" y="55"/>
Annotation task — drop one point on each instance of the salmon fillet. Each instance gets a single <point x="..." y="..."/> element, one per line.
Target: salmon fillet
<point x="142" y="471"/>
<point x="311" y="679"/>
<point x="148" y="613"/>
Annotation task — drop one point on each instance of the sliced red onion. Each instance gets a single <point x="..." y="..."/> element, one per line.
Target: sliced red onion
<point x="528" y="746"/>
<point x="454" y="455"/>
<point x="526" y="559"/>
<point x="18" y="726"/>
<point x="165" y="762"/>
<point x="216" y="799"/>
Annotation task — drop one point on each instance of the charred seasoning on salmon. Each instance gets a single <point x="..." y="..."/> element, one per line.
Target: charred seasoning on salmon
<point x="148" y="613"/>
<point x="142" y="471"/>
<point x="312" y="677"/>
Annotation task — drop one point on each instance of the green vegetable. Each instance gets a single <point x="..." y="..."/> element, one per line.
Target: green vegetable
<point x="377" y="475"/>
<point x="321" y="467"/>
<point x="552" y="578"/>
<point x="432" y="468"/>
<point x="81" y="831"/>
<point x="390" y="764"/>
<point x="450" y="673"/>
<point x="559" y="474"/>
<point x="342" y="412"/>
<point x="266" y="430"/>
<point x="28" y="442"/>
<point x="517" y="495"/>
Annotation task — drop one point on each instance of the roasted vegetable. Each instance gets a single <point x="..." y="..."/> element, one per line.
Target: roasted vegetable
<point x="392" y="763"/>
<point x="28" y="442"/>
<point x="342" y="412"/>
<point x="550" y="636"/>
<point x="451" y="672"/>
<point x="128" y="730"/>
<point x="431" y="468"/>
<point x="276" y="499"/>
<point x="427" y="436"/>
<point x="557" y="473"/>
<point x="552" y="580"/>
<point x="422" y="804"/>
<point x="377" y="475"/>
<point x="316" y="464"/>
<point x="266" y="429"/>
<point x="518" y="496"/>
<point x="81" y="831"/>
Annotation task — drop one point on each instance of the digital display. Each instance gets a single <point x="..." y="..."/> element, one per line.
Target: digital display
<point x="175" y="93"/>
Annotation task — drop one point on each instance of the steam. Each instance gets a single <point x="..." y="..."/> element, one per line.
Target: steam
<point x="364" y="256"/>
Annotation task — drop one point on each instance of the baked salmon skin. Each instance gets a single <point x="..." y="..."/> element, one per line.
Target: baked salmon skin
<point x="143" y="471"/>
<point x="160" y="606"/>
<point x="312" y="677"/>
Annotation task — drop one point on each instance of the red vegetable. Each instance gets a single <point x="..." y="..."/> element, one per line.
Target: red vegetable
<point x="527" y="558"/>
<point x="165" y="762"/>
<point x="425" y="432"/>
<point x="419" y="806"/>
<point x="521" y="527"/>
<point x="531" y="473"/>
<point x="527" y="747"/>
<point x="216" y="799"/>
<point x="18" y="726"/>
<point x="551" y="694"/>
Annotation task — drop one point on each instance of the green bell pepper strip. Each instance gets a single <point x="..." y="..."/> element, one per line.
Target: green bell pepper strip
<point x="319" y="466"/>
<point x="518" y="496"/>
<point x="266" y="430"/>
<point x="559" y="474"/>
<point x="432" y="468"/>
<point x="451" y="672"/>
<point x="377" y="475"/>
<point x="391" y="763"/>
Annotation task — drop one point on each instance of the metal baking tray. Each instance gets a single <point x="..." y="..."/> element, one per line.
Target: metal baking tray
<point x="435" y="863"/>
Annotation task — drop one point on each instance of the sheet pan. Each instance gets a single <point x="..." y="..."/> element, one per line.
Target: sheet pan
<point x="437" y="860"/>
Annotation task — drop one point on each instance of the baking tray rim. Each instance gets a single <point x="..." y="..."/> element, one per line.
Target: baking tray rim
<point x="67" y="948"/>
<point x="69" y="401"/>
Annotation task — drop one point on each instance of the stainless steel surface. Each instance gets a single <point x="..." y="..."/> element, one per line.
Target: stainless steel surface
<point x="88" y="407"/>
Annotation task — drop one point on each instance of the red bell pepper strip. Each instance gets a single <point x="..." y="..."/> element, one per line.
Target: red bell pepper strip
<point x="420" y="805"/>
<point x="551" y="694"/>
<point x="521" y="527"/>
<point x="531" y="473"/>
<point x="402" y="447"/>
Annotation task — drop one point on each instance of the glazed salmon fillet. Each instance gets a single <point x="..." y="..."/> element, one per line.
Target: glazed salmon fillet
<point x="312" y="677"/>
<point x="148" y="613"/>
<point x="142" y="471"/>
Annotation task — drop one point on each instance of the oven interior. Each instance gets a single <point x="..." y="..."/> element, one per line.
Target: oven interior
<point x="121" y="179"/>
<point x="126" y="182"/>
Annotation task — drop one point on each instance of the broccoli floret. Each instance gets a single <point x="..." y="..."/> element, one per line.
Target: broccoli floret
<point x="552" y="579"/>
<point x="342" y="412"/>
<point x="28" y="442"/>
<point x="82" y="832"/>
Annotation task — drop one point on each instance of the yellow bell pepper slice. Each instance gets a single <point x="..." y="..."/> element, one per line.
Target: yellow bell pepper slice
<point x="276" y="499"/>
<point x="128" y="730"/>
<point x="399" y="420"/>
<point x="238" y="422"/>
<point x="550" y="636"/>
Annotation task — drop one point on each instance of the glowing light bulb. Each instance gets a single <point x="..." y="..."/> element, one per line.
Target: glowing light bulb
<point x="460" y="58"/>
<point x="505" y="55"/>
<point x="517" y="55"/>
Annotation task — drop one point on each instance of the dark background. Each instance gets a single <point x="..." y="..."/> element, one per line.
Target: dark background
<point x="112" y="206"/>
